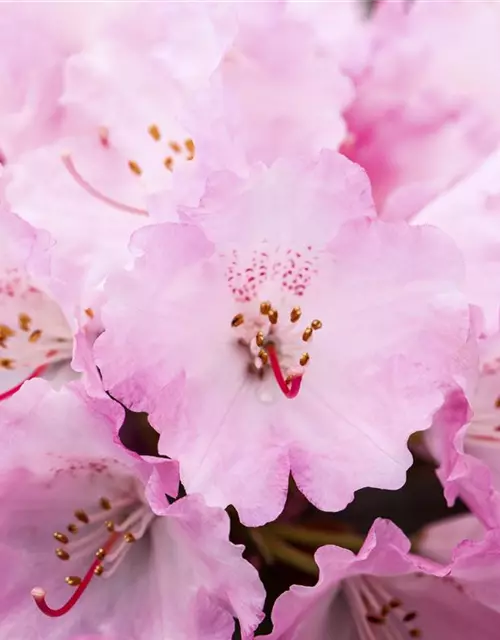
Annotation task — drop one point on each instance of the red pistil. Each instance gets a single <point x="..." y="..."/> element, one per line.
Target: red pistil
<point x="289" y="391"/>
<point x="39" y="594"/>
<point x="10" y="392"/>
<point x="80" y="180"/>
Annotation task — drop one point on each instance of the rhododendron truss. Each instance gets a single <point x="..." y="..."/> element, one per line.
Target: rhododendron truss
<point x="249" y="315"/>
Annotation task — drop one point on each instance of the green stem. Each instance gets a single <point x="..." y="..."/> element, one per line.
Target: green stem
<point x="314" y="537"/>
<point x="285" y="553"/>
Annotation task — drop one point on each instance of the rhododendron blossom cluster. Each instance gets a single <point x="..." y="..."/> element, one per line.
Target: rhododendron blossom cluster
<point x="249" y="320"/>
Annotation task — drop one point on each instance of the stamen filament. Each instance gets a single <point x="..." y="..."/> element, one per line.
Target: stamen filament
<point x="39" y="594"/>
<point x="289" y="391"/>
<point x="92" y="191"/>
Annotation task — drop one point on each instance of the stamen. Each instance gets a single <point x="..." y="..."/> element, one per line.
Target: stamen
<point x="175" y="146"/>
<point x="304" y="359"/>
<point x="273" y="316"/>
<point x="190" y="148"/>
<point x="89" y="312"/>
<point x="62" y="554"/>
<point x="289" y="391"/>
<point x="99" y="570"/>
<point x="72" y="528"/>
<point x="82" y="516"/>
<point x="316" y="324"/>
<point x="86" y="186"/>
<point x="169" y="163"/>
<point x="35" y="335"/>
<point x="134" y="167"/>
<point x="7" y="363"/>
<point x="238" y="320"/>
<point x="307" y="334"/>
<point x="73" y="581"/>
<point x="265" y="308"/>
<point x="129" y="537"/>
<point x="60" y="537"/>
<point x="24" y="322"/>
<point x="154" y="132"/>
<point x="295" y="314"/>
<point x="105" y="504"/>
<point x="263" y="356"/>
<point x="259" y="339"/>
<point x="39" y="594"/>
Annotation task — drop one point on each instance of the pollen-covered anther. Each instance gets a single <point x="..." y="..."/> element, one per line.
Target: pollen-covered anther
<point x="295" y="314"/>
<point x="100" y="553"/>
<point x="265" y="308"/>
<point x="134" y="167"/>
<point x="73" y="581"/>
<point x="105" y="504"/>
<point x="89" y="312"/>
<point x="35" y="335"/>
<point x="259" y="339"/>
<point x="60" y="537"/>
<point x="316" y="324"/>
<point x="82" y="516"/>
<point x="72" y="528"/>
<point x="99" y="570"/>
<point x="238" y="320"/>
<point x="190" y="148"/>
<point x="110" y="525"/>
<point x="24" y="321"/>
<point x="62" y="554"/>
<point x="169" y="163"/>
<point x="5" y="332"/>
<point x="273" y="316"/>
<point x="6" y="363"/>
<point x="175" y="146"/>
<point x="154" y="132"/>
<point x="304" y="359"/>
<point x="129" y="537"/>
<point x="263" y="356"/>
<point x="307" y="334"/>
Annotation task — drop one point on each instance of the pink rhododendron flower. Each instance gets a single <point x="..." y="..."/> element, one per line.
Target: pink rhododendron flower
<point x="135" y="566"/>
<point x="465" y="439"/>
<point x="264" y="337"/>
<point x="35" y="336"/>
<point x="468" y="213"/>
<point x="438" y="540"/>
<point x="425" y="110"/>
<point x="386" y="592"/>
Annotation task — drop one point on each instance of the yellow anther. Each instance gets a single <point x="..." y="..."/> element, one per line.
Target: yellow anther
<point x="60" y="537"/>
<point x="304" y="359"/>
<point x="190" y="148"/>
<point x="35" y="335"/>
<point x="273" y="316"/>
<point x="6" y="363"/>
<point x="73" y="581"/>
<point x="265" y="308"/>
<point x="62" y="554"/>
<point x="129" y="537"/>
<point x="169" y="163"/>
<point x="154" y="132"/>
<point x="72" y="528"/>
<point x="105" y="504"/>
<point x="100" y="553"/>
<point x="134" y="167"/>
<point x="238" y="320"/>
<point x="110" y="525"/>
<point x="295" y="314"/>
<point x="175" y="146"/>
<point x="259" y="339"/>
<point x="263" y="356"/>
<point x="24" y="321"/>
<point x="98" y="571"/>
<point x="316" y="324"/>
<point x="307" y="334"/>
<point x="82" y="516"/>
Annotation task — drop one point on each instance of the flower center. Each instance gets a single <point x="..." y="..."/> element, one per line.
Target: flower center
<point x="276" y="345"/>
<point x="374" y="608"/>
<point x="106" y="535"/>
